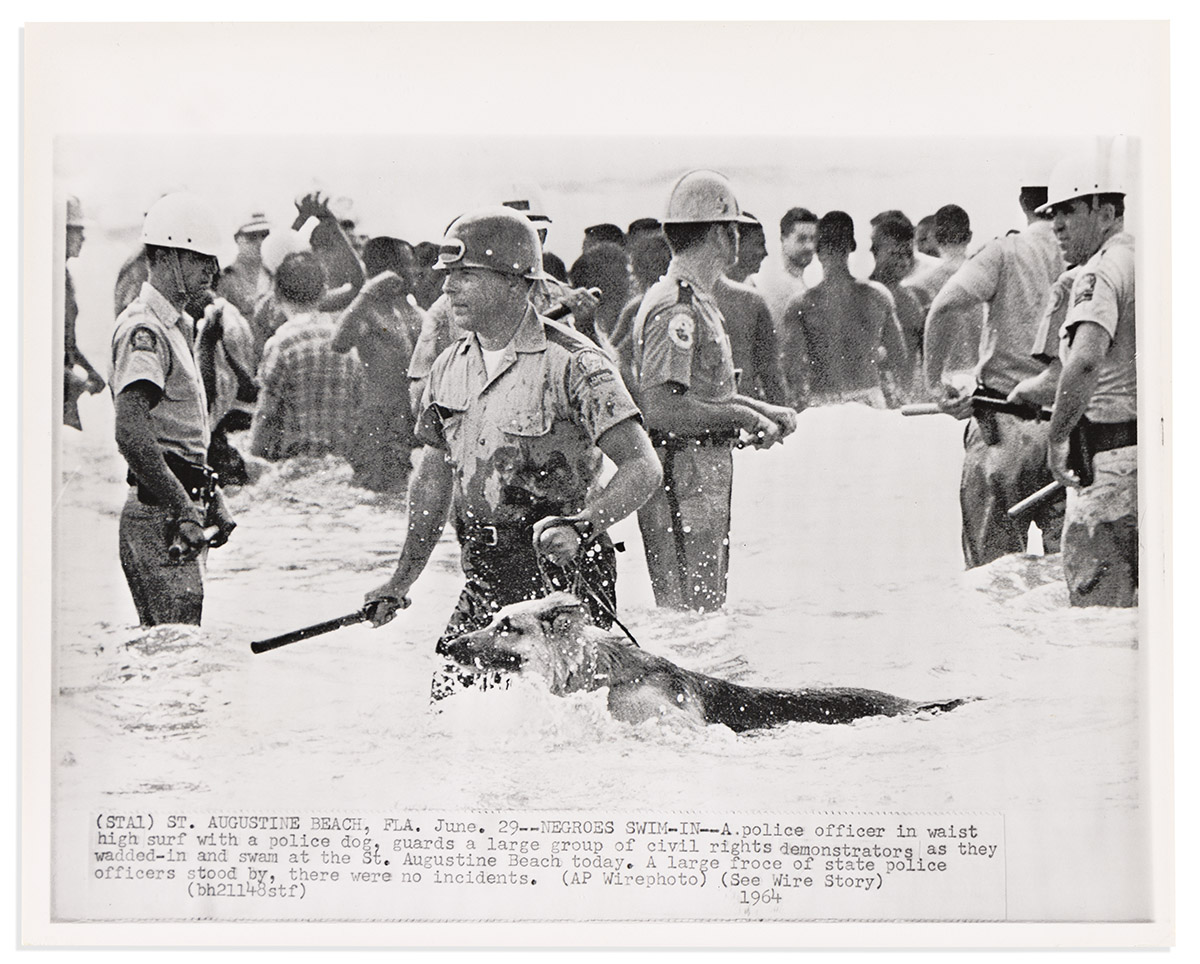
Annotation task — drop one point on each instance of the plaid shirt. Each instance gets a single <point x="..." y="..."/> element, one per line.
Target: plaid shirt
<point x="312" y="395"/>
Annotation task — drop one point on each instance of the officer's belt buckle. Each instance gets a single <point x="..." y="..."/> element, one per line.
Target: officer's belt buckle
<point x="489" y="536"/>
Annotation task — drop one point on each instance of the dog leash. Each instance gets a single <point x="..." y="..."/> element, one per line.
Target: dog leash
<point x="580" y="585"/>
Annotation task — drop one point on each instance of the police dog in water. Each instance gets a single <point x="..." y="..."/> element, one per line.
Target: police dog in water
<point x="553" y="638"/>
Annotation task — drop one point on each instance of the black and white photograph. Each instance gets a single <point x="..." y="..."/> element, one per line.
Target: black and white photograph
<point x="510" y="494"/>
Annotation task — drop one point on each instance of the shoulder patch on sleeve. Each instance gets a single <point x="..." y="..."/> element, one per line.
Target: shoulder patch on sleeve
<point x="1084" y="288"/>
<point x="682" y="330"/>
<point x="590" y="362"/>
<point x="594" y="367"/>
<point x="143" y="339"/>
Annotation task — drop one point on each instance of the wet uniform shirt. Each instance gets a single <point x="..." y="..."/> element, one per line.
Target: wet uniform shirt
<point x="522" y="442"/>
<point x="153" y="342"/>
<point x="1103" y="294"/>
<point x="679" y="336"/>
<point x="1013" y="276"/>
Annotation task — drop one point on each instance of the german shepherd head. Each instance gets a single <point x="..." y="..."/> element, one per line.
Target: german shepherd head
<point x="552" y="637"/>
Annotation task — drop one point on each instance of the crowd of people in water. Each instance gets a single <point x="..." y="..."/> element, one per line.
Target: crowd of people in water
<point x="317" y="340"/>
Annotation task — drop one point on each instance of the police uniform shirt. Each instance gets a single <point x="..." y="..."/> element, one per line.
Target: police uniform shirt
<point x="679" y="336"/>
<point x="1045" y="342"/>
<point x="523" y="441"/>
<point x="1103" y="293"/>
<point x="1012" y="276"/>
<point x="153" y="343"/>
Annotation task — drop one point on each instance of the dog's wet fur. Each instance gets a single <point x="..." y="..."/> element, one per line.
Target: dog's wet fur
<point x="553" y="638"/>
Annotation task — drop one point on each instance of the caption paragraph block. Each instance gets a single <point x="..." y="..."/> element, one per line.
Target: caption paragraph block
<point x="430" y="866"/>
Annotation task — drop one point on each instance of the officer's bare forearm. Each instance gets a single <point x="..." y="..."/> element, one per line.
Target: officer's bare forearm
<point x="1043" y="386"/>
<point x="765" y="409"/>
<point x="668" y="409"/>
<point x="638" y="475"/>
<point x="136" y="441"/>
<point x="1081" y="372"/>
<point x="429" y="496"/>
<point x="942" y="328"/>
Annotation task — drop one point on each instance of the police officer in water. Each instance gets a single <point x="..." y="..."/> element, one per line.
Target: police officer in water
<point x="174" y="512"/>
<point x="1093" y="444"/>
<point x="515" y="417"/>
<point x="684" y="375"/>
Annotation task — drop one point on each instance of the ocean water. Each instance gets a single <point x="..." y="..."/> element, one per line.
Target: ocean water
<point x="845" y="570"/>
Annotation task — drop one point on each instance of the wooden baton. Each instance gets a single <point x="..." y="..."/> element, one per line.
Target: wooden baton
<point x="1031" y="502"/>
<point x="317" y="629"/>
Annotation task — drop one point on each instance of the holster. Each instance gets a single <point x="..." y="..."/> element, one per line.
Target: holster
<point x="1089" y="438"/>
<point x="199" y="481"/>
<point x="1079" y="454"/>
<point x="989" y="430"/>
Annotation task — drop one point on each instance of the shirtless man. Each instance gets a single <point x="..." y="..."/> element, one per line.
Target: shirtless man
<point x="781" y="280"/>
<point x="839" y="334"/>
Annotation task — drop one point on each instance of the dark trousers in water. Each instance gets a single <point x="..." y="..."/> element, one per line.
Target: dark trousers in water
<point x="1004" y="461"/>
<point x="163" y="591"/>
<point x="507" y="572"/>
<point x="685" y="524"/>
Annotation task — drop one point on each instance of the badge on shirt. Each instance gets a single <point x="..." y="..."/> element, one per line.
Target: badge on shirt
<point x="143" y="339"/>
<point x="681" y="330"/>
<point x="1085" y="287"/>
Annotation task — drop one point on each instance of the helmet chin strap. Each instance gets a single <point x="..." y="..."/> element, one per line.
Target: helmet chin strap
<point x="178" y="270"/>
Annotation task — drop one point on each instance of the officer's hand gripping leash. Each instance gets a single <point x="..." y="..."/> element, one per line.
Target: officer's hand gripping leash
<point x="579" y="585"/>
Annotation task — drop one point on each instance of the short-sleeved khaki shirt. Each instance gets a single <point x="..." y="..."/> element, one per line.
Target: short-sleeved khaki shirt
<point x="153" y="342"/>
<point x="1103" y="293"/>
<point x="1013" y="276"/>
<point x="523" y="442"/>
<point x="679" y="336"/>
